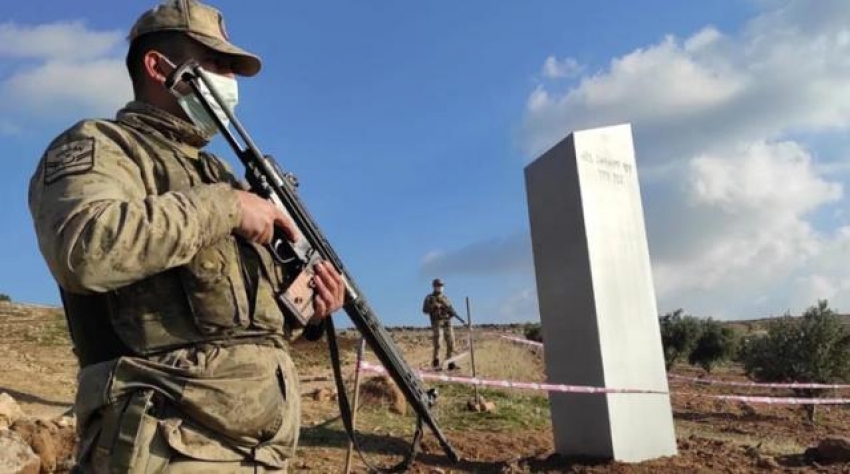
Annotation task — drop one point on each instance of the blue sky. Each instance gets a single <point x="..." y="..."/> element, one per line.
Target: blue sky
<point x="409" y="125"/>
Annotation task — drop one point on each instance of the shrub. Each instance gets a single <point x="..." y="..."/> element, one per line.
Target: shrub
<point x="814" y="348"/>
<point x="534" y="332"/>
<point x="679" y="335"/>
<point x="715" y="344"/>
<point x="5" y="297"/>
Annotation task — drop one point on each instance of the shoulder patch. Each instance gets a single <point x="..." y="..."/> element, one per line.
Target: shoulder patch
<point x="68" y="158"/>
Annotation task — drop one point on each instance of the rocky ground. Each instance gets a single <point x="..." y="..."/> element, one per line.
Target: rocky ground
<point x="37" y="375"/>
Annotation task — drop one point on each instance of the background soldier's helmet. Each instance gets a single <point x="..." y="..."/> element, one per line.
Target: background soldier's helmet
<point x="437" y="282"/>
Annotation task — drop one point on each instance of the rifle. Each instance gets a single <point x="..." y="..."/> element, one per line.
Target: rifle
<point x="442" y="310"/>
<point x="453" y="314"/>
<point x="298" y="258"/>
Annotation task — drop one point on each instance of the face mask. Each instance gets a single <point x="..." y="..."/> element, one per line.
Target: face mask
<point x="438" y="289"/>
<point x="226" y="87"/>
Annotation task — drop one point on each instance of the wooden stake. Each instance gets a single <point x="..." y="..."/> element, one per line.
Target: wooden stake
<point x="471" y="347"/>
<point x="360" y="349"/>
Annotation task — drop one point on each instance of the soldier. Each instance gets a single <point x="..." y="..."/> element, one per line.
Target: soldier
<point x="440" y="310"/>
<point x="167" y="285"/>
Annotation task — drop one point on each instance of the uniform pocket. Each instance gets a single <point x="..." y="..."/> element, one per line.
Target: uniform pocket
<point x="286" y="437"/>
<point x="237" y="396"/>
<point x="215" y="288"/>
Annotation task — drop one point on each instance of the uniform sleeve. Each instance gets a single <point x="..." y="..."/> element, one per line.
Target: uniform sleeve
<point x="99" y="230"/>
<point x="426" y="305"/>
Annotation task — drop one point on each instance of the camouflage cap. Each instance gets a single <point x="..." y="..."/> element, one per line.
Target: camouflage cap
<point x="200" y="22"/>
<point x="437" y="282"/>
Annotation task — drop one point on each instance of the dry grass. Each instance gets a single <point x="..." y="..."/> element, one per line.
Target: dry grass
<point x="505" y="360"/>
<point x="497" y="359"/>
<point x="36" y="325"/>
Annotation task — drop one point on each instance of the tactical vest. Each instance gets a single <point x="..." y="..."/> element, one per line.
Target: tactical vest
<point x="437" y="306"/>
<point x="225" y="293"/>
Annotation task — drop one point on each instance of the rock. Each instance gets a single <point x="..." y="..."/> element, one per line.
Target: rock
<point x="16" y="456"/>
<point x="10" y="411"/>
<point x="747" y="410"/>
<point x="323" y="394"/>
<point x="753" y="451"/>
<point x="67" y="421"/>
<point x="480" y="405"/>
<point x="767" y="462"/>
<point x="833" y="450"/>
<point x="53" y="444"/>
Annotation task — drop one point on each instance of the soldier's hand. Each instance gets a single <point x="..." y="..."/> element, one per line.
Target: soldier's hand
<point x="259" y="218"/>
<point x="330" y="290"/>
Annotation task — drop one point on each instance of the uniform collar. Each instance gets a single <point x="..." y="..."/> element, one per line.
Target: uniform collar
<point x="178" y="132"/>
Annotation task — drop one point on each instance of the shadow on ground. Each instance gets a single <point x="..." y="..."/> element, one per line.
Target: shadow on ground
<point x="29" y="398"/>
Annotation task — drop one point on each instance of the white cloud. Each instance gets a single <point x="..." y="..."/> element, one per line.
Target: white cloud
<point x="97" y="87"/>
<point x="785" y="72"/>
<point x="62" y="40"/>
<point x="60" y="72"/>
<point x="554" y="68"/>
<point x="749" y="209"/>
<point x="772" y="179"/>
<point x="736" y="218"/>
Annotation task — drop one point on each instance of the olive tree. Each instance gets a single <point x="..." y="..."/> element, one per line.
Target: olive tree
<point x="715" y="343"/>
<point x="814" y="348"/>
<point x="679" y="335"/>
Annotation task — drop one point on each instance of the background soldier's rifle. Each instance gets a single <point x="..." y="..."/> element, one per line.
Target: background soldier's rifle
<point x="448" y="310"/>
<point x="311" y="247"/>
<point x="457" y="316"/>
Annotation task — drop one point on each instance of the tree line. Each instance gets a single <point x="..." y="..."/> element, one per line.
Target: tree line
<point x="811" y="348"/>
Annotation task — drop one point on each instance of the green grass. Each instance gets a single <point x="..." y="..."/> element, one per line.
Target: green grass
<point x="514" y="409"/>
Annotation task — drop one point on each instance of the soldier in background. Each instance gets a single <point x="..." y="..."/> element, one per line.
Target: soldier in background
<point x="439" y="308"/>
<point x="167" y="285"/>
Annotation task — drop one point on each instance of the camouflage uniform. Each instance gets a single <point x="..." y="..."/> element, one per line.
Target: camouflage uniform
<point x="184" y="364"/>
<point x="439" y="308"/>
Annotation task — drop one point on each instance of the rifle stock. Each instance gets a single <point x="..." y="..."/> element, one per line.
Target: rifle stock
<point x="267" y="180"/>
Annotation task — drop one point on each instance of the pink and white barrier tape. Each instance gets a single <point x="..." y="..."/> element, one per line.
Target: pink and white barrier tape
<point x="771" y="400"/>
<point x="366" y="366"/>
<point x="757" y="384"/>
<point x="523" y="341"/>
<point x="509" y="384"/>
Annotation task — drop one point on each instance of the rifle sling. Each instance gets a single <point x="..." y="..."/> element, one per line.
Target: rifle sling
<point x="346" y="412"/>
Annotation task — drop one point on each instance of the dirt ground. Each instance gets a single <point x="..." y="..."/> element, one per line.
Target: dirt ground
<point x="38" y="370"/>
